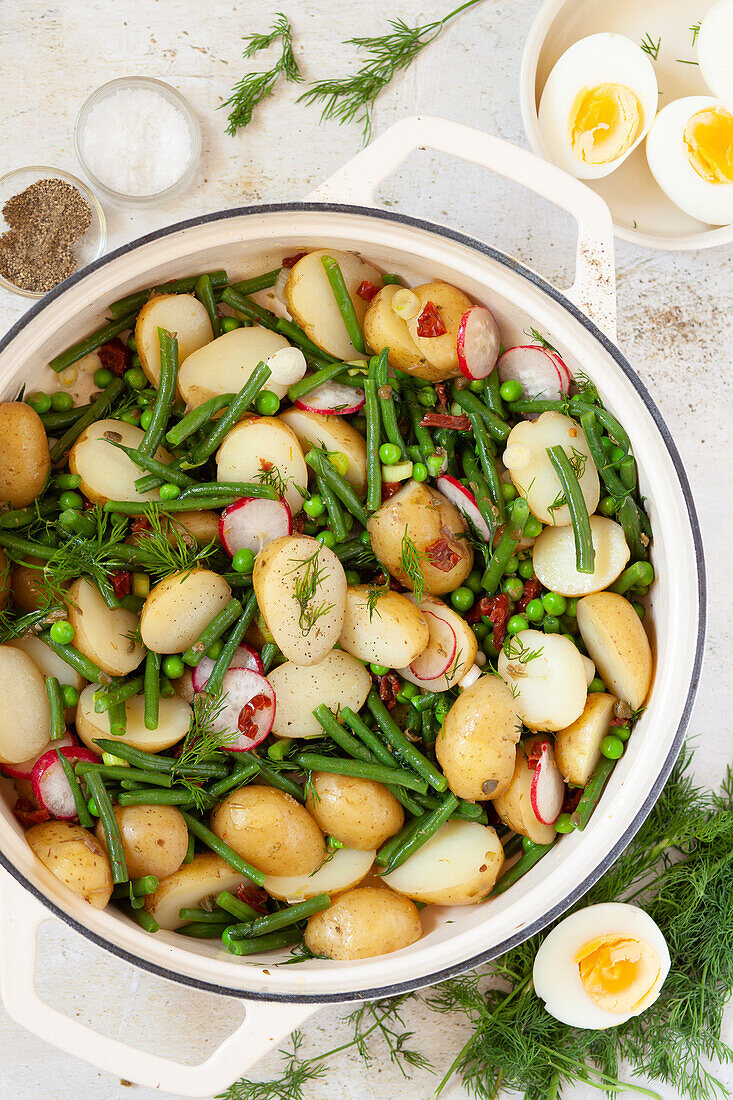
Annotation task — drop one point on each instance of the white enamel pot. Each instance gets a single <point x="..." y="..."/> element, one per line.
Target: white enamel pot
<point x="581" y="323"/>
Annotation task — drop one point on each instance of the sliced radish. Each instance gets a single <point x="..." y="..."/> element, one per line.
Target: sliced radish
<point x="51" y="788"/>
<point x="332" y="399"/>
<point x="24" y="769"/>
<point x="247" y="712"/>
<point x="464" y="501"/>
<point x="250" y="523"/>
<point x="547" y="792"/>
<point x="541" y="373"/>
<point x="438" y="657"/>
<point x="244" y="657"/>
<point x="287" y="366"/>
<point x="477" y="343"/>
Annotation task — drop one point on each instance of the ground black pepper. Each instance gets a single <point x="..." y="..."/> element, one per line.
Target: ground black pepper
<point x="45" y="221"/>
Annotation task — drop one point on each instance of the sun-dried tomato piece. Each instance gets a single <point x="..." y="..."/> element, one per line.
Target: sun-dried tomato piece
<point x="140" y="525"/>
<point x="445" y="420"/>
<point x="571" y="799"/>
<point x="429" y="321"/>
<point x="496" y="609"/>
<point x="28" y="814"/>
<point x="298" y="524"/>
<point x="115" y="356"/>
<point x="121" y="583"/>
<point x="291" y="261"/>
<point x="534" y="752"/>
<point x="442" y="555"/>
<point x="532" y="589"/>
<point x="389" y="685"/>
<point x="389" y="488"/>
<point x="367" y="290"/>
<point x="442" y="397"/>
<point x="252" y="895"/>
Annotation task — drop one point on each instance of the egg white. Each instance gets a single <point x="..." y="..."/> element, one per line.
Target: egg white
<point x="605" y="58"/>
<point x="715" y="50"/>
<point x="556" y="975"/>
<point x="666" y="154"/>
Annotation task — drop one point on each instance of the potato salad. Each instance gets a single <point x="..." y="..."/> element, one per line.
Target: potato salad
<point x="322" y="606"/>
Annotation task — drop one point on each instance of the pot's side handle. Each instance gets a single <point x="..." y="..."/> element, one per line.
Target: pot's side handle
<point x="266" y="1023"/>
<point x="594" y="289"/>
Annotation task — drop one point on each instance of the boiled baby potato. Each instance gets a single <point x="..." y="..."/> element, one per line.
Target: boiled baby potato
<point x="259" y="445"/>
<point x="106" y="472"/>
<point x="339" y="680"/>
<point x="344" y="869"/>
<point x="102" y="634"/>
<point x="477" y="744"/>
<point x="383" y="328"/>
<point x="360" y="813"/>
<point x="25" y="718"/>
<point x="25" y="457"/>
<point x="457" y="866"/>
<point x="301" y="590"/>
<point x="389" y="630"/>
<point x="554" y="559"/>
<point x="26" y="585"/>
<point x="177" y="610"/>
<point x="75" y="857"/>
<point x="441" y="352"/>
<point x="154" y="839"/>
<point x="363" y="923"/>
<point x="514" y="806"/>
<point x="466" y="646"/>
<point x="311" y="302"/>
<point x="533" y="474"/>
<point x="335" y="434"/>
<point x="546" y="675"/>
<point x="174" y="719"/>
<point x="202" y="526"/>
<point x="224" y="365"/>
<point x="271" y="830"/>
<point x="578" y="747"/>
<point x="184" y="316"/>
<point x="617" y="642"/>
<point x="434" y="526"/>
<point x="204" y="877"/>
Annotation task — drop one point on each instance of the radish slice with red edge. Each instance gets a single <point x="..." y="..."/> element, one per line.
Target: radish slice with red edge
<point x="464" y="501"/>
<point x="24" y="768"/>
<point x="250" y="523"/>
<point x="51" y="788"/>
<point x="244" y="657"/>
<point x="332" y="399"/>
<point x="547" y="792"/>
<point x="441" y="649"/>
<point x="477" y="343"/>
<point x="247" y="712"/>
<point x="541" y="373"/>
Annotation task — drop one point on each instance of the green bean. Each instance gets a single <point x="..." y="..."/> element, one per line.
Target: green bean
<point x="230" y="488"/>
<point x="507" y="545"/>
<point x="55" y="422"/>
<point x="344" y="303"/>
<point x="95" y="786"/>
<point x="24" y="517"/>
<point x="125" y="774"/>
<point x="25" y="548"/>
<point x="488" y="466"/>
<point x="259" y="944"/>
<point x="212" y="631"/>
<point x="269" y="653"/>
<point x="56" y="707"/>
<point x="152" y="689"/>
<point x="250" y="309"/>
<point x="512" y="846"/>
<point x="280" y="780"/>
<point x="481" y="491"/>
<point x="166" y="395"/>
<point x="191" y="849"/>
<point x="630" y="518"/>
<point x="616" y="431"/>
<point x="236" y="908"/>
<point x="74" y="659"/>
<point x="138" y="887"/>
<point x="470" y="403"/>
<point x="530" y="406"/>
<point x="104" y="334"/>
<point x="200" y="930"/>
<point x="225" y="658"/>
<point x="163" y="472"/>
<point x="378" y="369"/>
<point x="274" y="922"/>
<point x="223" y="850"/>
<point x="398" y="777"/>
<point x="134" y="302"/>
<point x="627" y="473"/>
<point x="346" y="741"/>
<point x="197" y="418"/>
<point x="408" y="830"/>
<point x="147" y="922"/>
<point x="524" y="864"/>
<point x="241" y="775"/>
<point x="117" y="718"/>
<point x="312" y="381"/>
<point x="321" y="464"/>
<point x="585" y="554"/>
<point x="492" y="395"/>
<point x="136" y="757"/>
<point x="469" y="811"/>
<point x="422" y="435"/>
<point x="204" y="291"/>
<point x="336" y="518"/>
<point x="373" y="439"/>
<point x="82" y="812"/>
<point x="117" y="693"/>
<point x="296" y="335"/>
<point x="239" y="405"/>
<point x="189" y="504"/>
<point x="592" y="793"/>
<point x="613" y="483"/>
<point x="96" y="411"/>
<point x="428" y="826"/>
<point x="638" y="575"/>
<point x="403" y="748"/>
<point x="203" y="916"/>
<point x="257" y="282"/>
<point x="175" y="797"/>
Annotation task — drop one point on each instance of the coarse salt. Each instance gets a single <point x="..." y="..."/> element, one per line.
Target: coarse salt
<point x="136" y="142"/>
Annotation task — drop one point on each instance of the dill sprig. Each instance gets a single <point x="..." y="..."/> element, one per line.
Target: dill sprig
<point x="82" y="556"/>
<point x="167" y="547"/>
<point x="352" y="98"/>
<point x="204" y="742"/>
<point x="305" y="590"/>
<point x="373" y="595"/>
<point x="410" y="564"/>
<point x="253" y="88"/>
<point x="518" y="651"/>
<point x="539" y="339"/>
<point x="650" y="47"/>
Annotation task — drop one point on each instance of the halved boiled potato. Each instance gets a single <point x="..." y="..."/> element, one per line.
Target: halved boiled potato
<point x="254" y="447"/>
<point x="617" y="642"/>
<point x="466" y="646"/>
<point x="345" y="869"/>
<point x="457" y="866"/>
<point x="441" y="352"/>
<point x="384" y="329"/>
<point x="363" y="923"/>
<point x="578" y="747"/>
<point x="311" y="302"/>
<point x="554" y="559"/>
<point x="47" y="662"/>
<point x="477" y="746"/>
<point x="387" y="629"/>
<point x="174" y="719"/>
<point x="106" y="472"/>
<point x="546" y="675"/>
<point x="335" y="434"/>
<point x="25" y="718"/>
<point x="102" y="634"/>
<point x="180" y="314"/>
<point x="204" y="877"/>
<point x="514" y="806"/>
<point x="224" y="365"/>
<point x="301" y="589"/>
<point x="338" y="680"/>
<point x="533" y="474"/>
<point x="178" y="609"/>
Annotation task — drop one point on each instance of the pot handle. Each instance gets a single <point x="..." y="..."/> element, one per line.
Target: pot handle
<point x="594" y="289"/>
<point x="266" y="1023"/>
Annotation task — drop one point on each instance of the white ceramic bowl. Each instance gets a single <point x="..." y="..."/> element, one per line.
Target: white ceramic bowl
<point x="254" y="239"/>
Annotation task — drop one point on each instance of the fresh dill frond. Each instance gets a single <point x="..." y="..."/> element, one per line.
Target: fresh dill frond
<point x="515" y="650"/>
<point x="455" y="664"/>
<point x="270" y="475"/>
<point x="205" y="739"/>
<point x="83" y="556"/>
<point x="695" y="28"/>
<point x="352" y="98"/>
<point x="167" y="547"/>
<point x="539" y="339"/>
<point x="12" y="627"/>
<point x="586" y="388"/>
<point x="410" y="564"/>
<point x="253" y="88"/>
<point x="310" y="579"/>
<point x="374" y="594"/>
<point x="298" y="954"/>
<point x="649" y="46"/>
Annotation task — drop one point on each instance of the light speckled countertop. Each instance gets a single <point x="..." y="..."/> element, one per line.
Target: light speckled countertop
<point x="675" y="324"/>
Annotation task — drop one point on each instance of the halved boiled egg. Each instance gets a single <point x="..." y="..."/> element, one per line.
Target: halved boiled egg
<point x="601" y="966"/>
<point x="715" y="50"/>
<point x="597" y="105"/>
<point x="690" y="154"/>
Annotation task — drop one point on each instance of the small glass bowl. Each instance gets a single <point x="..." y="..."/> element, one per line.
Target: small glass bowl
<point x="89" y="248"/>
<point x="167" y="92"/>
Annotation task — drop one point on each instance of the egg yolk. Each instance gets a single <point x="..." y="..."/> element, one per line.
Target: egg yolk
<point x="618" y="971"/>
<point x="709" y="140"/>
<point x="604" y="122"/>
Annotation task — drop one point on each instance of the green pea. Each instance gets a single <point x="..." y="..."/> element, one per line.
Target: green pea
<point x="434" y="464"/>
<point x="408" y="692"/>
<point x="622" y="732"/>
<point x="228" y="324"/>
<point x="427" y="396"/>
<point x="533" y="527"/>
<point x="327" y="538"/>
<point x="571" y="609"/>
<point x="169" y="492"/>
<point x="62" y="632"/>
<point x="525" y="569"/>
<point x="243" y="560"/>
<point x="72" y="500"/>
<point x="554" y="603"/>
<point x="61" y="401"/>
<point x="70" y="695"/>
<point x="477" y="386"/>
<point x="473" y="581"/>
<point x="607" y="506"/>
<point x="419" y="471"/>
<point x="511" y="390"/>
<point x="135" y="378"/>
<point x="379" y="670"/>
<point x="456" y="409"/>
<point x="513" y="588"/>
<point x="612" y="747"/>
<point x="145" y="417"/>
<point x="132" y="343"/>
<point x="551" y="625"/>
<point x="390" y="454"/>
<point x="462" y="598"/>
<point x="173" y="666"/>
<point x="508" y="491"/>
<point x="215" y="649"/>
<point x="132" y="417"/>
<point x="102" y="377"/>
<point x="267" y="403"/>
<point x="516" y="624"/>
<point x="314" y="506"/>
<point x="512" y="565"/>
<point x="352" y="577"/>
<point x="564" y="824"/>
<point x="40" y="401"/>
<point x="535" y="611"/>
<point x="480" y="630"/>
<point x="596" y="685"/>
